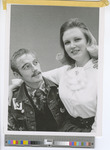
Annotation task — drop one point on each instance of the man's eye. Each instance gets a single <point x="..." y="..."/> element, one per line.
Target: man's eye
<point x="26" y="67"/>
<point x="35" y="63"/>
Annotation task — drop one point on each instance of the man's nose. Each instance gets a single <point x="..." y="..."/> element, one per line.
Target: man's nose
<point x="34" y="68"/>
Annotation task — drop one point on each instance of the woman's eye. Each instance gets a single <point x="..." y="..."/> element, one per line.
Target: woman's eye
<point x="67" y="42"/>
<point x="77" y="39"/>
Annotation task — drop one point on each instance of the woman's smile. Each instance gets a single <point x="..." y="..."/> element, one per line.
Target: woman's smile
<point x="74" y="52"/>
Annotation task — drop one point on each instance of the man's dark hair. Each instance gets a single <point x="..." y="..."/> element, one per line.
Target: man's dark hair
<point x="18" y="54"/>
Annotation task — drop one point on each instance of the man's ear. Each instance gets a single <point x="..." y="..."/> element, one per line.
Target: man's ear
<point x="17" y="75"/>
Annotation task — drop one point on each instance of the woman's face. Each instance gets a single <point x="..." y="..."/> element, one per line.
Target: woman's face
<point x="75" y="43"/>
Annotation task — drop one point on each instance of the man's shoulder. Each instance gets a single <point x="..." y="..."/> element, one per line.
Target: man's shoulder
<point x="50" y="83"/>
<point x="18" y="91"/>
<point x="18" y="97"/>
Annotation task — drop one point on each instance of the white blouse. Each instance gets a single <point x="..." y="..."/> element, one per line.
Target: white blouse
<point x="77" y="88"/>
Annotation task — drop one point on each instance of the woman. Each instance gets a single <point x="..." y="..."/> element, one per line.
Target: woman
<point x="77" y="80"/>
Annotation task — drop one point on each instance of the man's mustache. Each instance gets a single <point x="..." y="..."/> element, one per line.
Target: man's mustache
<point x="36" y="73"/>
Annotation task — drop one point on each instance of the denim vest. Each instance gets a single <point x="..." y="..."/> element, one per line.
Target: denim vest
<point x="22" y="116"/>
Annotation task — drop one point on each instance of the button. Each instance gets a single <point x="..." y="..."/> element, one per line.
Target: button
<point x="21" y="129"/>
<point x="44" y="96"/>
<point x="77" y="72"/>
<point x="44" y="101"/>
<point x="31" y="112"/>
<point x="13" y="127"/>
<point x="62" y="110"/>
<point x="82" y="122"/>
<point x="25" y="117"/>
<point x="27" y="100"/>
<point x="86" y="121"/>
<point x="32" y="127"/>
<point x="22" y="111"/>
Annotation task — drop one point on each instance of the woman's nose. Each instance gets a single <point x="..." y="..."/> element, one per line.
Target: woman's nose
<point x="73" y="45"/>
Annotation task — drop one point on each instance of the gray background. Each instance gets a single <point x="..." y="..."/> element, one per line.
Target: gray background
<point x="38" y="27"/>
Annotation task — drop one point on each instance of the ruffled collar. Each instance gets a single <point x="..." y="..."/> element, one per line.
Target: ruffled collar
<point x="76" y="77"/>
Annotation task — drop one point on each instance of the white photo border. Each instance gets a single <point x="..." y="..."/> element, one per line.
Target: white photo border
<point x="100" y="81"/>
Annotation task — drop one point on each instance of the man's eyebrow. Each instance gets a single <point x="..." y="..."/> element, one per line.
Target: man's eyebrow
<point x="24" y="65"/>
<point x="35" y="59"/>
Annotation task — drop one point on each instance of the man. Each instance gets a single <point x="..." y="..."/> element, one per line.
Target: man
<point x="35" y="105"/>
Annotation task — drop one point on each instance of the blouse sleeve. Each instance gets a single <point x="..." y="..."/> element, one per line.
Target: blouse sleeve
<point x="55" y="74"/>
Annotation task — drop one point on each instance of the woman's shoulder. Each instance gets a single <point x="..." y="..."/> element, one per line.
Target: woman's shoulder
<point x="65" y="67"/>
<point x="57" y="73"/>
<point x="59" y="69"/>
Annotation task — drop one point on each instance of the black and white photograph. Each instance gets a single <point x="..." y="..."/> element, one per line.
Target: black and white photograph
<point x="54" y="69"/>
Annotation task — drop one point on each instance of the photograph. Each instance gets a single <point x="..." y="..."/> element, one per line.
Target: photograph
<point x="53" y="74"/>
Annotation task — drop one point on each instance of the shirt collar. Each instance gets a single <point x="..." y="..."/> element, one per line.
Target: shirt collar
<point x="21" y="96"/>
<point x="89" y="64"/>
<point x="32" y="91"/>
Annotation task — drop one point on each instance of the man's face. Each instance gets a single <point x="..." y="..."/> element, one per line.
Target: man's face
<point x="29" y="68"/>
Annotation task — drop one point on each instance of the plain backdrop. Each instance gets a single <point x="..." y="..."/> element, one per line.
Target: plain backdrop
<point x="102" y="142"/>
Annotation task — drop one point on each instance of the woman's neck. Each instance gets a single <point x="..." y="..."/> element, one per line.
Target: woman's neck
<point x="82" y="62"/>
